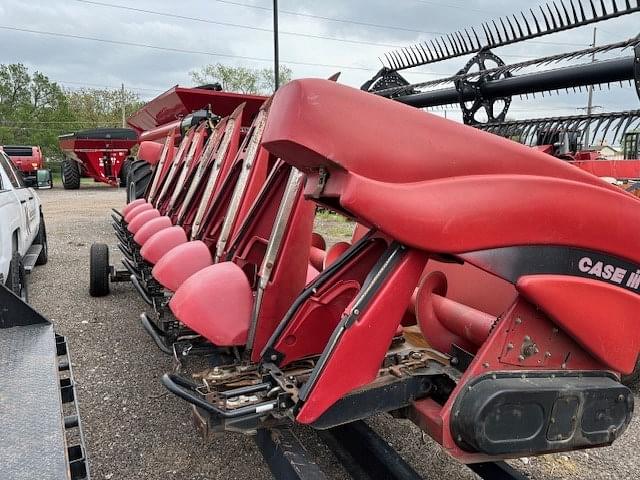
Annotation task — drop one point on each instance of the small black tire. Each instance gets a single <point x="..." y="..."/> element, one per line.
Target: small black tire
<point x="99" y="270"/>
<point x="138" y="179"/>
<point x="70" y="174"/>
<point x="17" y="277"/>
<point x="41" y="239"/>
<point x="633" y="379"/>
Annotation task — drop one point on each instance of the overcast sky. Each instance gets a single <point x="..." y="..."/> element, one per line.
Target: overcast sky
<point x="382" y="25"/>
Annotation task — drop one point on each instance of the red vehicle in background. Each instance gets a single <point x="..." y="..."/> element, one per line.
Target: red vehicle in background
<point x="99" y="153"/>
<point x="30" y="162"/>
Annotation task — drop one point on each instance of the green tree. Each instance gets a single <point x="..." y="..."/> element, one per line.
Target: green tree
<point x="102" y="107"/>
<point x="240" y="79"/>
<point x="34" y="110"/>
<point x="31" y="107"/>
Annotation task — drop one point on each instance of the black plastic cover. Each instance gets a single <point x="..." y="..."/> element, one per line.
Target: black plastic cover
<point x="534" y="413"/>
<point x="104" y="134"/>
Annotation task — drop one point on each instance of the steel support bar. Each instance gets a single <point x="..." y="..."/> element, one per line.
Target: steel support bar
<point x="609" y="71"/>
<point x="285" y="455"/>
<point x="496" y="471"/>
<point x="365" y="455"/>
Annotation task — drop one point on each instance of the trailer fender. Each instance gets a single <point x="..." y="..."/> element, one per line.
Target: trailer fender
<point x="180" y="263"/>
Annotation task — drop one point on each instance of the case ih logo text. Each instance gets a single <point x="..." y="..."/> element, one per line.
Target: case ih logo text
<point x="609" y="272"/>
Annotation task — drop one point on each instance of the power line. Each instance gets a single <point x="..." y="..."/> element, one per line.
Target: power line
<point x="235" y="25"/>
<point x="18" y="123"/>
<point x="194" y="52"/>
<point x="55" y="130"/>
<point x="457" y="7"/>
<point x="330" y="19"/>
<point x="367" y="24"/>
<point x="83" y="84"/>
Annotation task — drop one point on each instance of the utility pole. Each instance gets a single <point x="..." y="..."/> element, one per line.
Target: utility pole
<point x="276" y="55"/>
<point x="590" y="100"/>
<point x="124" y="122"/>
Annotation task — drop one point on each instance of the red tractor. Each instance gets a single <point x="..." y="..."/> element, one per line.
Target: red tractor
<point x="29" y="161"/>
<point x="99" y="153"/>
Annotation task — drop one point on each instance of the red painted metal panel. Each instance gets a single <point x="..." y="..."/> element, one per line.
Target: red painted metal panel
<point x="464" y="214"/>
<point x="621" y="169"/>
<point x="363" y="345"/>
<point x="602" y="318"/>
<point x="315" y="122"/>
<point x="310" y="328"/>
<point x="178" y="102"/>
<point x="501" y="352"/>
<point x="23" y="162"/>
<point x="232" y="135"/>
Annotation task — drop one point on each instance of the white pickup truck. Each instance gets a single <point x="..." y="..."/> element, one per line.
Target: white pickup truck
<point x="23" y="237"/>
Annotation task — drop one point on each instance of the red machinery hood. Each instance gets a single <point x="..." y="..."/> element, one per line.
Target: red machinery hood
<point x="177" y="102"/>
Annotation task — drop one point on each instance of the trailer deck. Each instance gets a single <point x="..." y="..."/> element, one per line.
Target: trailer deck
<point x="35" y="381"/>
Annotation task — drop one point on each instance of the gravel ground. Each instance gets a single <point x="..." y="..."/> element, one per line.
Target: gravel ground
<point x="135" y="429"/>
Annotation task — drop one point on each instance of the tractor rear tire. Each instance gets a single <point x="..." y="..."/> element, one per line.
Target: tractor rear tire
<point x="138" y="179"/>
<point x="633" y="379"/>
<point x="41" y="239"/>
<point x="17" y="278"/>
<point x="70" y="175"/>
<point x="99" y="270"/>
<point x="124" y="171"/>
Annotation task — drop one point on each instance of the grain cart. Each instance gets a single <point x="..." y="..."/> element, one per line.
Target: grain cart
<point x="99" y="153"/>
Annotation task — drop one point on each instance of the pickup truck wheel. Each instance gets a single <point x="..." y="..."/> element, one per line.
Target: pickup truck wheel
<point x="99" y="270"/>
<point x="138" y="179"/>
<point x="17" y="277"/>
<point x="41" y="239"/>
<point x="70" y="175"/>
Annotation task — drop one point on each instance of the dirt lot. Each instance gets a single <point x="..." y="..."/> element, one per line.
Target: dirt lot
<point x="135" y="429"/>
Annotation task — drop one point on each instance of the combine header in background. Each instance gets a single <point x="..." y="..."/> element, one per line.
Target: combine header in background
<point x="485" y="86"/>
<point x="100" y="153"/>
<point x="173" y="114"/>
<point x="180" y="107"/>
